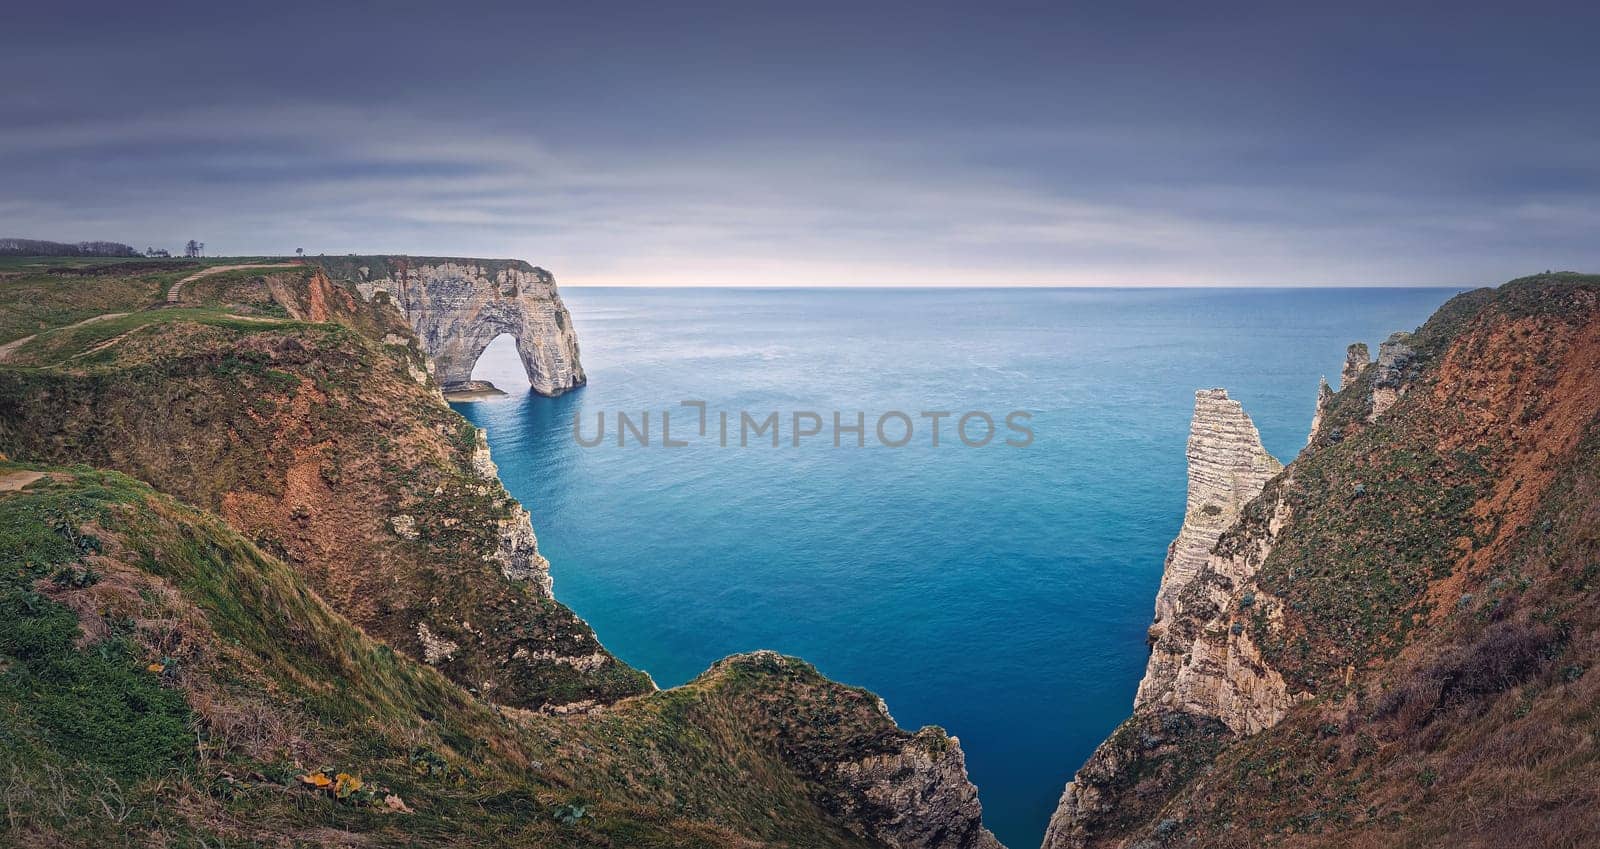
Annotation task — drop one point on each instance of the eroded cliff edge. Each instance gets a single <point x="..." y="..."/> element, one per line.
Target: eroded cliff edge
<point x="1227" y="468"/>
<point x="306" y="417"/>
<point x="458" y="306"/>
<point x="366" y="529"/>
<point x="1413" y="591"/>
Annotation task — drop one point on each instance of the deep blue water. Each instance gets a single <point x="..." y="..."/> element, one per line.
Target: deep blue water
<point x="1000" y="592"/>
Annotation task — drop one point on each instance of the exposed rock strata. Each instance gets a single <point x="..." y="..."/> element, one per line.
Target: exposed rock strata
<point x="1199" y="662"/>
<point x="1153" y="743"/>
<point x="1389" y="373"/>
<point x="378" y="503"/>
<point x="892" y="788"/>
<point x="1311" y="670"/>
<point x="1356" y="360"/>
<point x="1227" y="467"/>
<point x="316" y="439"/>
<point x="1324" y="398"/>
<point x="458" y="306"/>
<point x="435" y="650"/>
<point x="1203" y="673"/>
<point x="920" y="795"/>
<point x="1207" y="663"/>
<point x="517" y="552"/>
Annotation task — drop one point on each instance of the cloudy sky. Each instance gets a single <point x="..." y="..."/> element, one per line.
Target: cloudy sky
<point x="821" y="144"/>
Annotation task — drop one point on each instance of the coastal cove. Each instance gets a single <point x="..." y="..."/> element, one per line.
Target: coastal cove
<point x="1000" y="593"/>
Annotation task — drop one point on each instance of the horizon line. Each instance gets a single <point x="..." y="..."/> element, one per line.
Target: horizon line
<point x="1208" y="285"/>
<point x="569" y="284"/>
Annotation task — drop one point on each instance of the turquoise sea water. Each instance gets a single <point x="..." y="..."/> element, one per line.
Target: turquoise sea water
<point x="1002" y="593"/>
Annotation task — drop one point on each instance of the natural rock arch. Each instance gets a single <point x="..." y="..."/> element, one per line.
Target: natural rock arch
<point x="459" y="306"/>
<point x="456" y="335"/>
<point x="498" y="348"/>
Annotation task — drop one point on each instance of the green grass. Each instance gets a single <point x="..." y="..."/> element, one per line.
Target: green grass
<point x="62" y="345"/>
<point x="238" y="291"/>
<point x="99" y="750"/>
<point x="40" y="293"/>
<point x="31" y="303"/>
<point x="95" y="704"/>
<point x="273" y="675"/>
<point x="1381" y="513"/>
<point x="44" y="263"/>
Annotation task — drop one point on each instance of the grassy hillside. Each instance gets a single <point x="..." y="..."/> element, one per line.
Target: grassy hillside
<point x="314" y="604"/>
<point x="36" y="296"/>
<point x="306" y="417"/>
<point x="1430" y="592"/>
<point x="163" y="678"/>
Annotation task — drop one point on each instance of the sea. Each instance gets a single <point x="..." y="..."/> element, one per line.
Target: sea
<point x="998" y="588"/>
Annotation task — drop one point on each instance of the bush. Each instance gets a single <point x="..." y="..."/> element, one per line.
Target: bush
<point x="1504" y="655"/>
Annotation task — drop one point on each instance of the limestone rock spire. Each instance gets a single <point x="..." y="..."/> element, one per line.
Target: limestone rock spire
<point x="1356" y="360"/>
<point x="1324" y="398"/>
<point x="1227" y="468"/>
<point x="1389" y="373"/>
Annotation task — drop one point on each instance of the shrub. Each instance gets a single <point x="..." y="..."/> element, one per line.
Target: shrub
<point x="1504" y="655"/>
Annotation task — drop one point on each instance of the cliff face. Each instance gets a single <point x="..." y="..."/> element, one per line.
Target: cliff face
<point x="166" y="681"/>
<point x="1198" y="669"/>
<point x="889" y="788"/>
<point x="1195" y="669"/>
<point x="1348" y="664"/>
<point x="1227" y="468"/>
<point x="914" y="795"/>
<point x="458" y="306"/>
<point x="359" y="597"/>
<point x="1356" y="360"/>
<point x="304" y="415"/>
<point x="1324" y="398"/>
<point x="1389" y="373"/>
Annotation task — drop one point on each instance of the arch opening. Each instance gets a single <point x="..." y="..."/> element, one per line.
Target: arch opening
<point x="497" y="370"/>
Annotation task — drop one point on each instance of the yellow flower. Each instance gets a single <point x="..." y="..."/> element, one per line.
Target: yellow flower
<point x="316" y="779"/>
<point x="346" y="784"/>
<point x="155" y="667"/>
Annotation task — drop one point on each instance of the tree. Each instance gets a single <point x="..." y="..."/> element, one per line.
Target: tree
<point x="37" y="247"/>
<point x="300" y="252"/>
<point x="192" y="249"/>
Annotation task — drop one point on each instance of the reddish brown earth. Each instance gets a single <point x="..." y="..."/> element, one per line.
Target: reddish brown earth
<point x="1432" y="595"/>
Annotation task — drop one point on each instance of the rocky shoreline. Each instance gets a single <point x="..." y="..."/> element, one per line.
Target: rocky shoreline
<point x="475" y="390"/>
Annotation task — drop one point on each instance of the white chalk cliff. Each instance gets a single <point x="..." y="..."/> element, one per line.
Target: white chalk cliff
<point x="1200" y="665"/>
<point x="1227" y="467"/>
<point x="458" y="306"/>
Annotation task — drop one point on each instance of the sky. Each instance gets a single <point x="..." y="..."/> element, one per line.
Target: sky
<point x="862" y="143"/>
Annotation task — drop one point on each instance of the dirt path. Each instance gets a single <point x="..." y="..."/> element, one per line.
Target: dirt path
<point x="13" y="481"/>
<point x="173" y="294"/>
<point x="10" y="348"/>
